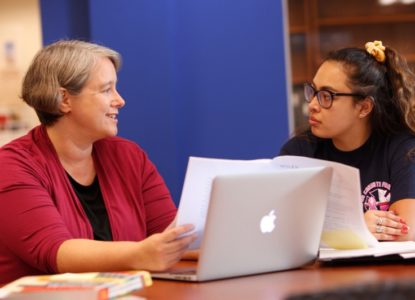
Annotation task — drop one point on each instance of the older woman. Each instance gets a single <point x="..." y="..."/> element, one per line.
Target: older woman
<point x="73" y="196"/>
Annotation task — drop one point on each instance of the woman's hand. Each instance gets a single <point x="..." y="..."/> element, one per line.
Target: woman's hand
<point x="385" y="225"/>
<point x="162" y="250"/>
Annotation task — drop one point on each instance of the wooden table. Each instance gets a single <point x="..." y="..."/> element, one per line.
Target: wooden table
<point x="279" y="285"/>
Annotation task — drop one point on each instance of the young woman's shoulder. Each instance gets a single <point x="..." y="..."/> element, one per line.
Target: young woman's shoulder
<point x="401" y="144"/>
<point x="405" y="137"/>
<point x="400" y="140"/>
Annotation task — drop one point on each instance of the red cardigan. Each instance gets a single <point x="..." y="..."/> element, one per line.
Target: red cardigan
<point x="39" y="210"/>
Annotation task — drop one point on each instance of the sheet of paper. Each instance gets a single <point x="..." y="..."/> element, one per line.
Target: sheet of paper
<point x="344" y="225"/>
<point x="384" y="248"/>
<point x="409" y="255"/>
<point x="195" y="196"/>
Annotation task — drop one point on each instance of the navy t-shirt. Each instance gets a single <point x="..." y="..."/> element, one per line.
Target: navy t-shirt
<point x="386" y="164"/>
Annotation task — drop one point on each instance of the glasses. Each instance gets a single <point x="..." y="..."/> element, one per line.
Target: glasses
<point x="324" y="97"/>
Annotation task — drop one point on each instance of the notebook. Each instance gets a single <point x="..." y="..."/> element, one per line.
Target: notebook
<point x="260" y="222"/>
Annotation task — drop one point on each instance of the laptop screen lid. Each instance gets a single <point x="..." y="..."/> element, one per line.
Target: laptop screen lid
<point x="261" y="222"/>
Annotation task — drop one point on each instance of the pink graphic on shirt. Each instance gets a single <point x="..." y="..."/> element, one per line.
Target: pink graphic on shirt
<point x="376" y="196"/>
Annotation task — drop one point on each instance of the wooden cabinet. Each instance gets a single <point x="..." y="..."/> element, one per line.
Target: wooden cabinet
<point x="317" y="27"/>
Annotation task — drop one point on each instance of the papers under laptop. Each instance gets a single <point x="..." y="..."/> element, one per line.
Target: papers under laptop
<point x="251" y="218"/>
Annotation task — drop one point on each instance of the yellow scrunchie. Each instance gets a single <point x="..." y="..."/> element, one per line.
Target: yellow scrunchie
<point x="376" y="49"/>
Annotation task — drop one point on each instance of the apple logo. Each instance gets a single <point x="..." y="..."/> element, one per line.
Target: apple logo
<point x="267" y="224"/>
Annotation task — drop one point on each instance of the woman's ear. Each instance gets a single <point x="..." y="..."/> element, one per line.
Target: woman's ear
<point x="65" y="101"/>
<point x="366" y="106"/>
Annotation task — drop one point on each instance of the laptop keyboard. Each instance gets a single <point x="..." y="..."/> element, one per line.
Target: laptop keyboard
<point x="388" y="290"/>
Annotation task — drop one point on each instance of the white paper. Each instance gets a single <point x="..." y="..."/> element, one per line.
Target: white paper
<point x="408" y="255"/>
<point x="344" y="222"/>
<point x="405" y="249"/>
<point x="344" y="216"/>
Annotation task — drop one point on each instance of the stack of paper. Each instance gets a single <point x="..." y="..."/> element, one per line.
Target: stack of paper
<point x="403" y="250"/>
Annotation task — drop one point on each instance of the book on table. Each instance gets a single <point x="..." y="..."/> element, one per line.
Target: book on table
<point x="79" y="286"/>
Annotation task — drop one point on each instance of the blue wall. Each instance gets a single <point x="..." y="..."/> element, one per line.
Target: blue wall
<point x="200" y="77"/>
<point x="62" y="19"/>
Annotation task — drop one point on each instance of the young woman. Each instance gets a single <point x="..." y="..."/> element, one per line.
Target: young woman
<point x="362" y="113"/>
<point x="73" y="196"/>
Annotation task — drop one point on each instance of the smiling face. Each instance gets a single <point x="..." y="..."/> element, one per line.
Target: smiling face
<point x="93" y="113"/>
<point x="343" y="122"/>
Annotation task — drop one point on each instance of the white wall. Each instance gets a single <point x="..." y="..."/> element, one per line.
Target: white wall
<point x="20" y="39"/>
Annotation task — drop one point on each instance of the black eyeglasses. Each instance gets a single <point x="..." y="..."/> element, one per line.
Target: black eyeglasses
<point x="324" y="97"/>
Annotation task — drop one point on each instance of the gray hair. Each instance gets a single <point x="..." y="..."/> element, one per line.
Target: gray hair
<point x="64" y="64"/>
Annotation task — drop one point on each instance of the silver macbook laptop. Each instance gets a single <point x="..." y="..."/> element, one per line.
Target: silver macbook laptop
<point x="260" y="222"/>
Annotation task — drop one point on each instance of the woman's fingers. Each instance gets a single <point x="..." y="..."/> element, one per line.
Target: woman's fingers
<point x="176" y="240"/>
<point x="385" y="225"/>
<point x="172" y="234"/>
<point x="164" y="249"/>
<point x="387" y="215"/>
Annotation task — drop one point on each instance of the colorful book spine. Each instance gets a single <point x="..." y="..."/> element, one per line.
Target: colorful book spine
<point x="93" y="285"/>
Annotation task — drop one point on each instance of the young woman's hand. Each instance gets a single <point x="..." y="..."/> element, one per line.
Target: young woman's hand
<point x="385" y="225"/>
